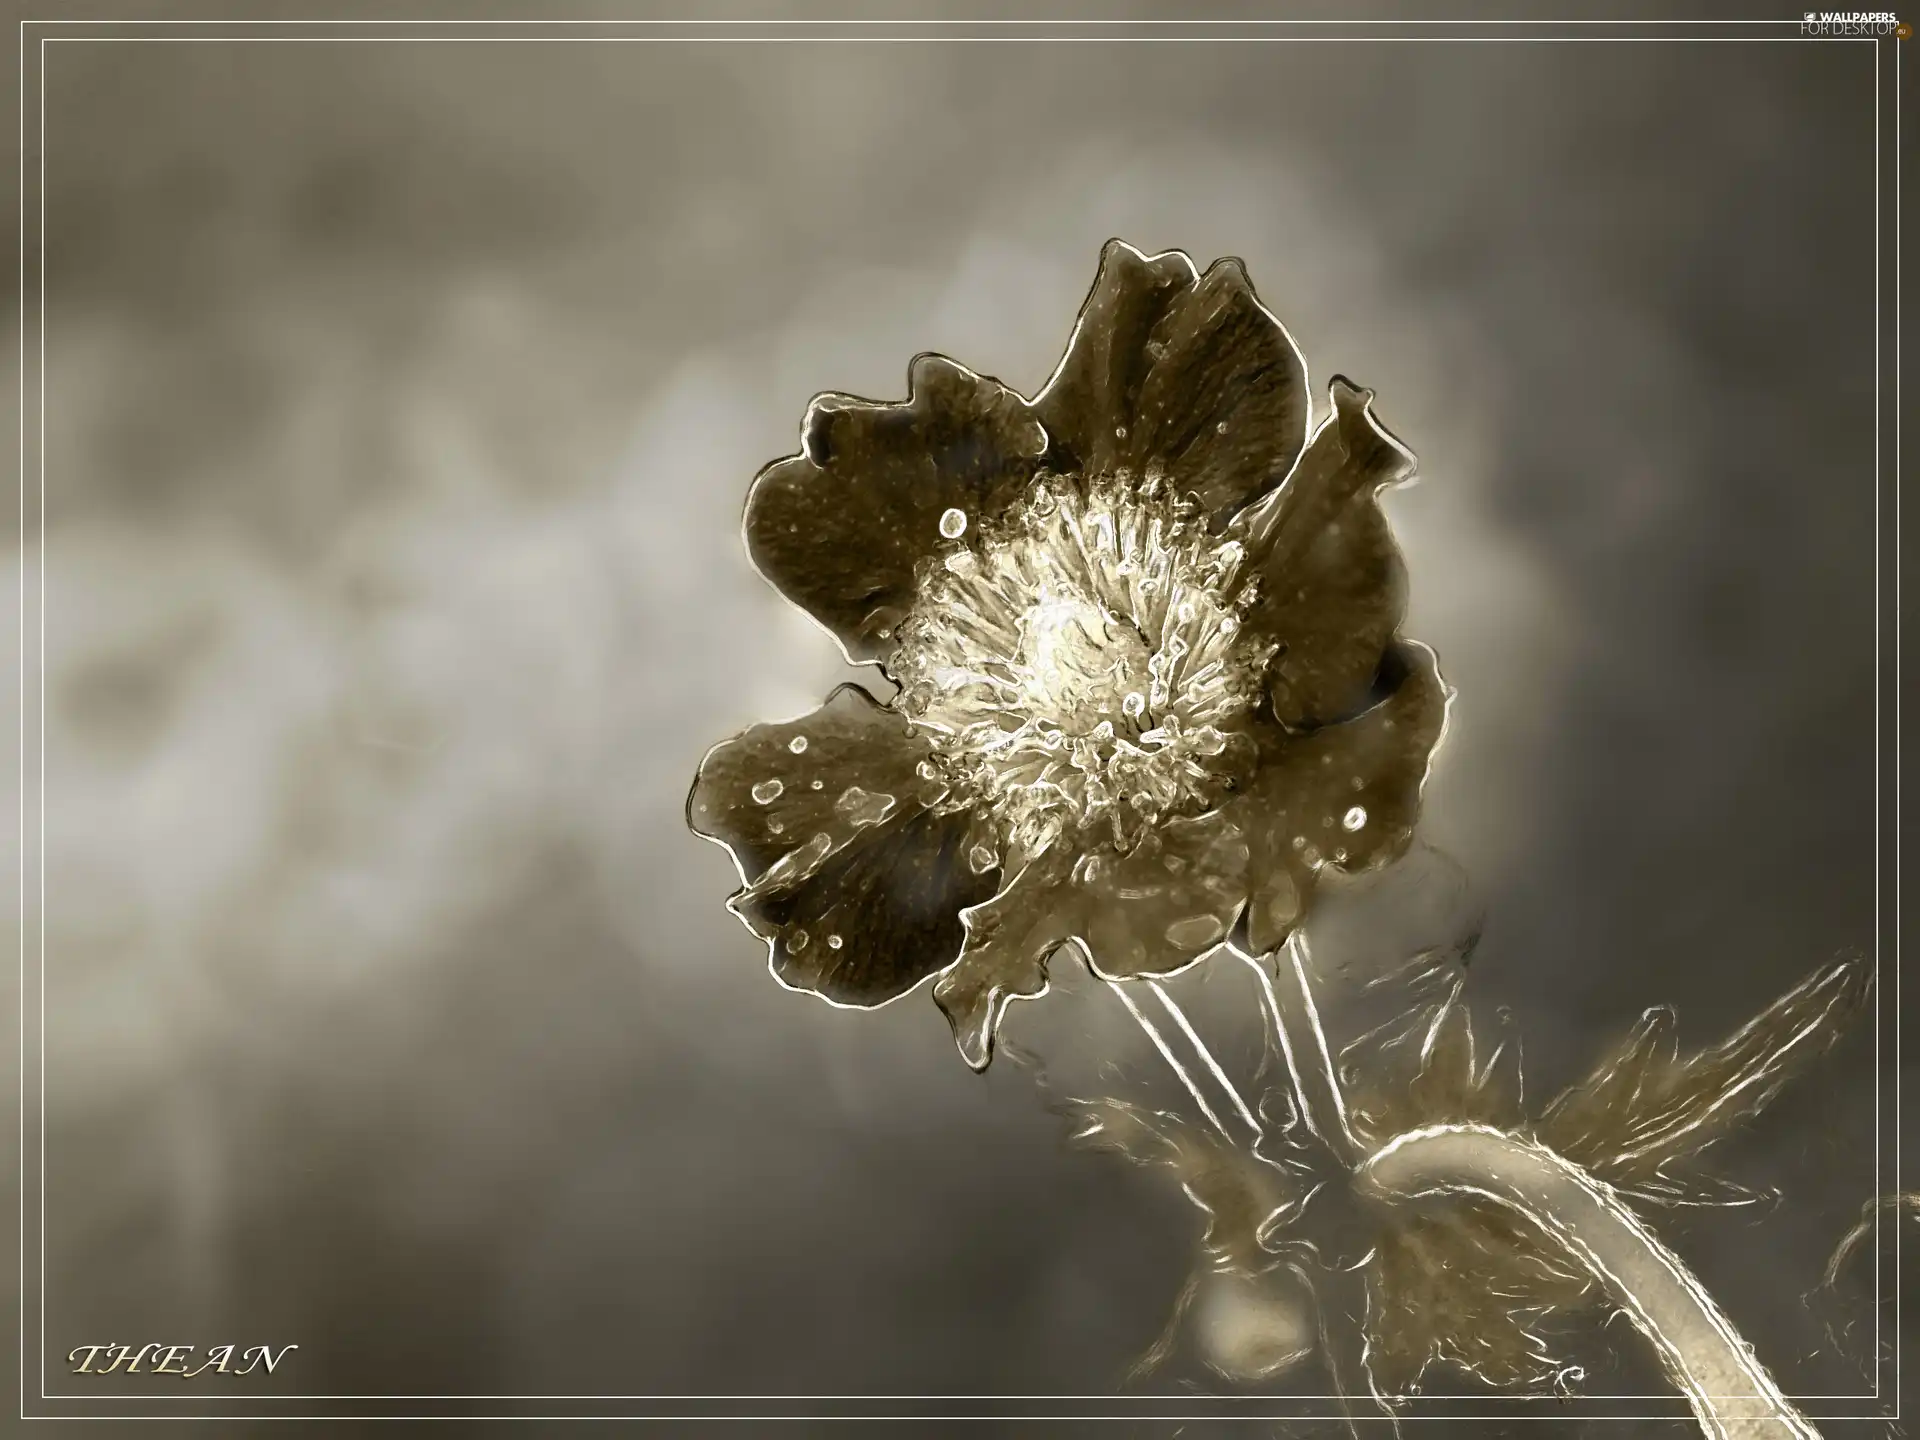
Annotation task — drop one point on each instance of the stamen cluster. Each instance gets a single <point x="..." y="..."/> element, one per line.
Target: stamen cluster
<point x="1082" y="665"/>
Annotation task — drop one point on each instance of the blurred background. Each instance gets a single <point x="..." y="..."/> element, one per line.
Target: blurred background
<point x="401" y="404"/>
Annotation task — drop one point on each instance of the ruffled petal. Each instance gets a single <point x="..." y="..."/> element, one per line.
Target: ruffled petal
<point x="1150" y="912"/>
<point x="1182" y="372"/>
<point x="1008" y="939"/>
<point x="879" y="916"/>
<point x="841" y="527"/>
<point x="1345" y="795"/>
<point x="1332" y="584"/>
<point x="1156" y="910"/>
<point x="854" y="883"/>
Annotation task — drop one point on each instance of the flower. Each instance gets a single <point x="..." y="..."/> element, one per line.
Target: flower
<point x="1143" y="630"/>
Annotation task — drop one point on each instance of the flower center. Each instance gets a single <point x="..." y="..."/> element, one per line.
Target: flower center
<point x="1075" y="659"/>
<point x="1084" y="668"/>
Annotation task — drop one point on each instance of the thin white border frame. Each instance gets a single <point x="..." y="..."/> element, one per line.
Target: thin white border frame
<point x="1143" y="1413"/>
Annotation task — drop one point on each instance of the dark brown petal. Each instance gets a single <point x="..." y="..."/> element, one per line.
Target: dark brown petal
<point x="1345" y="796"/>
<point x="893" y="902"/>
<point x="1008" y="940"/>
<point x="835" y="841"/>
<point x="1148" y="913"/>
<point x="1187" y="371"/>
<point x="1332" y="584"/>
<point x="841" y="527"/>
<point x="1155" y="910"/>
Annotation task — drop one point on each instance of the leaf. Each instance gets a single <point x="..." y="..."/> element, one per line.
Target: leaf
<point x="1426" y="1069"/>
<point x="1855" y="1237"/>
<point x="1472" y="1287"/>
<point x="1236" y="1190"/>
<point x="1645" y="1107"/>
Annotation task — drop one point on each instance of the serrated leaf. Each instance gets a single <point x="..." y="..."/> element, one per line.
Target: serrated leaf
<point x="1645" y="1107"/>
<point x="1429" y="1070"/>
<point x="1443" y="1084"/>
<point x="1472" y="1287"/>
<point x="1235" y="1189"/>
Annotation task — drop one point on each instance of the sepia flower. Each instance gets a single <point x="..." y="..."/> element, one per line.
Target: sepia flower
<point x="1143" y="634"/>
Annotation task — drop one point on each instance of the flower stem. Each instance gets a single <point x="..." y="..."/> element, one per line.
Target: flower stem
<point x="1732" y="1396"/>
<point x="1185" y="1077"/>
<point x="1296" y="1021"/>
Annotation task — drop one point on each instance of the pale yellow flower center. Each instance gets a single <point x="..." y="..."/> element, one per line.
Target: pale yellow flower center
<point x="1082" y="666"/>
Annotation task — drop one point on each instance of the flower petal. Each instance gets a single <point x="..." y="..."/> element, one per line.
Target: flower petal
<point x="1332" y="584"/>
<point x="1151" y="912"/>
<point x="1008" y="939"/>
<point x="1181" y="370"/>
<point x="1154" y="911"/>
<point x="1345" y="795"/>
<point x="836" y="843"/>
<point x="892" y="903"/>
<point x="841" y="527"/>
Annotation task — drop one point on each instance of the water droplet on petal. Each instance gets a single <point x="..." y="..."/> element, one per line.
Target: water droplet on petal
<point x="1299" y="842"/>
<point x="1228" y="624"/>
<point x="1135" y="704"/>
<point x="767" y="791"/>
<point x="797" y="941"/>
<point x="1221" y="428"/>
<point x="774" y="827"/>
<point x="798" y="744"/>
<point x="862" y="807"/>
<point x="818" y="785"/>
<point x="1119" y="432"/>
<point x="1355" y="818"/>
<point x="981" y="858"/>
<point x="1194" y="931"/>
<point x="834" y="942"/>
<point x="953" y="524"/>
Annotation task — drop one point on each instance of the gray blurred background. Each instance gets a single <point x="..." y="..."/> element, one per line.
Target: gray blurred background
<point x="402" y="400"/>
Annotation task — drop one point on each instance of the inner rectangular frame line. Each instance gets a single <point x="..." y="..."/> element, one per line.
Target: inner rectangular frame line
<point x="1879" y="478"/>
